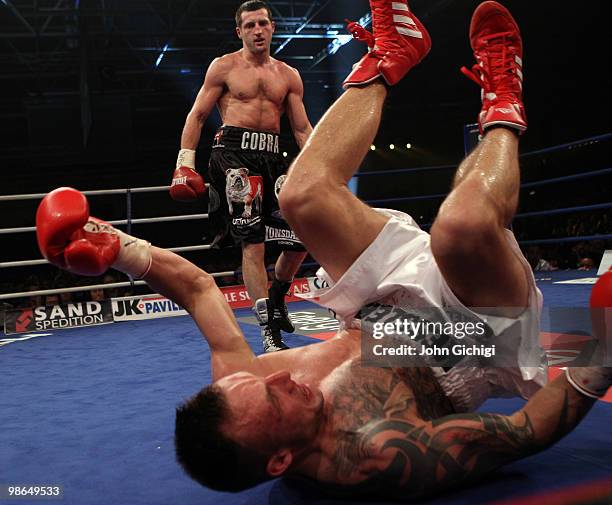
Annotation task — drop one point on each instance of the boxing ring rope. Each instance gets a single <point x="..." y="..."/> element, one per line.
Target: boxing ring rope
<point x="165" y="219"/>
<point x="546" y="150"/>
<point x="569" y="145"/>
<point x="129" y="221"/>
<point x="34" y="196"/>
<point x="76" y="289"/>
<point x="582" y="238"/>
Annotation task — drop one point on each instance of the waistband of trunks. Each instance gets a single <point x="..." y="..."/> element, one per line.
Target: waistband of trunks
<point x="244" y="139"/>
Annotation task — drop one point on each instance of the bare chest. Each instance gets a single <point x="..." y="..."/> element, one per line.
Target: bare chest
<point x="247" y="84"/>
<point x="362" y="395"/>
<point x="364" y="400"/>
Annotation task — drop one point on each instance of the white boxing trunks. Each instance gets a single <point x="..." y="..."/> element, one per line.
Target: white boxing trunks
<point x="399" y="269"/>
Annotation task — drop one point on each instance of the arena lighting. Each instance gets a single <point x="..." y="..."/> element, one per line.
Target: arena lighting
<point x="408" y="146"/>
<point x="392" y="146"/>
<point x="161" y="55"/>
<point x="372" y="147"/>
<point x="285" y="154"/>
<point x="340" y="41"/>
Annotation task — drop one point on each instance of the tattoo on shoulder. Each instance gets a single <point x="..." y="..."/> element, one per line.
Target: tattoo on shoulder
<point x="426" y="457"/>
<point x="367" y="396"/>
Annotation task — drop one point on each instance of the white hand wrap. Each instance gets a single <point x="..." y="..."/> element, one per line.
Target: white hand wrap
<point x="134" y="257"/>
<point x="186" y="158"/>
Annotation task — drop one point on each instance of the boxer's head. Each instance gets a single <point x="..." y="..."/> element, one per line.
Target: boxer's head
<point x="245" y="429"/>
<point x="254" y="26"/>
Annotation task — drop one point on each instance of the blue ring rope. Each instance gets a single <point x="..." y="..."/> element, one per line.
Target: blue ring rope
<point x="523" y="186"/>
<point x="405" y="170"/>
<point x="552" y="212"/>
<point x="565" y="239"/>
<point x="582" y="175"/>
<point x="569" y="145"/>
<point x="567" y="210"/>
<point x="405" y="199"/>
<point x="546" y="150"/>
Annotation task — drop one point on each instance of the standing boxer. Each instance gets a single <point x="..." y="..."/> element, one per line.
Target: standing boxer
<point x="246" y="171"/>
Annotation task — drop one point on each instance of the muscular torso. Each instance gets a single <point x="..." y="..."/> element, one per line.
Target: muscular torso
<point x="254" y="95"/>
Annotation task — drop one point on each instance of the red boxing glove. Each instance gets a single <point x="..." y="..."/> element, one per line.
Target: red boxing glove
<point x="70" y="239"/>
<point x="360" y="33"/>
<point x="187" y="185"/>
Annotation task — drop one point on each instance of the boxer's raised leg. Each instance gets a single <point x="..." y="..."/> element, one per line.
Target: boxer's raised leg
<point x="332" y="223"/>
<point x="468" y="238"/>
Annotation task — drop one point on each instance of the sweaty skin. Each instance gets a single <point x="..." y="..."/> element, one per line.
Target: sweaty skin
<point x="255" y="94"/>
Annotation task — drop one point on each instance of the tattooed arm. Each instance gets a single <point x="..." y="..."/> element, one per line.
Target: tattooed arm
<point x="422" y="458"/>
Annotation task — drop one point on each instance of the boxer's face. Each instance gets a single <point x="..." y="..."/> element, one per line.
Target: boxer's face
<point x="256" y="31"/>
<point x="273" y="411"/>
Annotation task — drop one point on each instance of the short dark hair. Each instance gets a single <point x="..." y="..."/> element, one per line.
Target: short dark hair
<point x="251" y="6"/>
<point x="206" y="453"/>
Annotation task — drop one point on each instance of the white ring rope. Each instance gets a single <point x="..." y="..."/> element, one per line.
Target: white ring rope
<point x="28" y="263"/>
<point x="121" y="222"/>
<point x="38" y="196"/>
<point x="163" y="219"/>
<point x="76" y="289"/>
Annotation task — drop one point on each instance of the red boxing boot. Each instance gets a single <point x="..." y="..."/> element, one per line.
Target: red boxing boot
<point x="496" y="40"/>
<point x="401" y="41"/>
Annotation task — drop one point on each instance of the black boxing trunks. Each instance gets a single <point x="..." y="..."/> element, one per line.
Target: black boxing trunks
<point x="246" y="172"/>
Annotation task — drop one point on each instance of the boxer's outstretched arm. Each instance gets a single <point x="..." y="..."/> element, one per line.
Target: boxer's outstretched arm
<point x="196" y="291"/>
<point x="416" y="458"/>
<point x="71" y="239"/>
